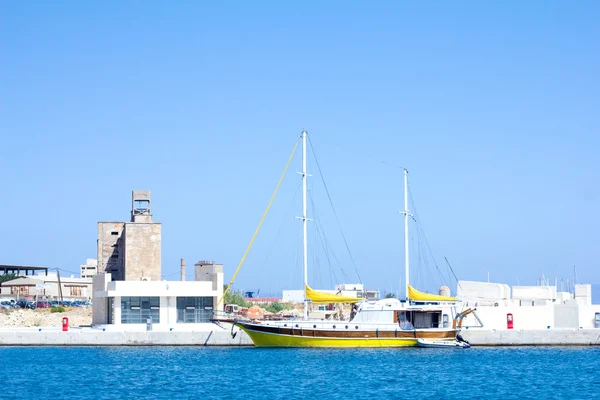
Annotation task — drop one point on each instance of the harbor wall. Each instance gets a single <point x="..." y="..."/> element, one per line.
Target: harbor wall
<point x="223" y="337"/>
<point x="94" y="337"/>
<point x="534" y="337"/>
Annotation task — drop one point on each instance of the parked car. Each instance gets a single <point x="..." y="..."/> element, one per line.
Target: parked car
<point x="5" y="304"/>
<point x="42" y="304"/>
<point x="21" y="303"/>
<point x="54" y="303"/>
<point x="30" y="305"/>
<point x="65" y="303"/>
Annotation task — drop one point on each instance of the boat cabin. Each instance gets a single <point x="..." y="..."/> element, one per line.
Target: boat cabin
<point x="408" y="317"/>
<point x="422" y="319"/>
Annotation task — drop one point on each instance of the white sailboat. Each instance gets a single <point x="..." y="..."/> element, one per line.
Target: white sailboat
<point x="423" y="319"/>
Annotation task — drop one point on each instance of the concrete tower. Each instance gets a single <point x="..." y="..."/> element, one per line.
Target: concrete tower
<point x="131" y="250"/>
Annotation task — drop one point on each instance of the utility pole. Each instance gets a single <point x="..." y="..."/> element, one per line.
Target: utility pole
<point x="60" y="293"/>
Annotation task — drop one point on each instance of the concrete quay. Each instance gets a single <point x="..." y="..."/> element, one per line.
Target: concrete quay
<point x="210" y="335"/>
<point x="532" y="337"/>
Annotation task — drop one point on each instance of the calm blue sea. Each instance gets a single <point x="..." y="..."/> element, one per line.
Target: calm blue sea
<point x="250" y="373"/>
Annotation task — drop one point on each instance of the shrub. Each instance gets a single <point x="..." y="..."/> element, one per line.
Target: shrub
<point x="57" y="309"/>
<point x="235" y="297"/>
<point x="276" y="307"/>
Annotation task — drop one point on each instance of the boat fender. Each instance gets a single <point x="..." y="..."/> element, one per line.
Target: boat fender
<point x="459" y="338"/>
<point x="233" y="335"/>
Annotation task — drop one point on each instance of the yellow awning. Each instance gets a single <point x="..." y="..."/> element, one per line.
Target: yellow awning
<point x="414" y="294"/>
<point x="321" y="297"/>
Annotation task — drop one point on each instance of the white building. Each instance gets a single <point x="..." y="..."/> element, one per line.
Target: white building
<point x="89" y="269"/>
<point x="530" y="307"/>
<point x="172" y="305"/>
<point x="47" y="287"/>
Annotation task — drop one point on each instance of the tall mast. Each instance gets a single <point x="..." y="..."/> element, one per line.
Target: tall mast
<point x="406" y="215"/>
<point x="304" y="221"/>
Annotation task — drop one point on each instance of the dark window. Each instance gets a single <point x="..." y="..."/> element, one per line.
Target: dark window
<point x="194" y="309"/>
<point x="424" y="320"/>
<point x="135" y="310"/>
<point x="141" y="205"/>
<point x="114" y="233"/>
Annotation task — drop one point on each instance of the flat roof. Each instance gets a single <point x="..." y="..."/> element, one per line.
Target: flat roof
<point x="12" y="268"/>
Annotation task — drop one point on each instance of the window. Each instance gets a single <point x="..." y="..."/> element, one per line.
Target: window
<point x="75" y="291"/>
<point x="114" y="233"/>
<point x="19" y="290"/>
<point x="194" y="309"/>
<point x="424" y="320"/>
<point x="141" y="205"/>
<point x="135" y="310"/>
<point x="110" y="306"/>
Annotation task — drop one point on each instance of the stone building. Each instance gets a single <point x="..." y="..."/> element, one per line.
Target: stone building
<point x="131" y="251"/>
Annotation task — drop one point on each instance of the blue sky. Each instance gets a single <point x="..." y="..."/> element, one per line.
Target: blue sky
<point x="491" y="106"/>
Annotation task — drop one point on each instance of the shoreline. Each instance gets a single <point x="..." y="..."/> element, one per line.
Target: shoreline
<point x="213" y="335"/>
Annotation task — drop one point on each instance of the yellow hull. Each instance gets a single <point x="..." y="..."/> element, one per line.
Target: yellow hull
<point x="264" y="339"/>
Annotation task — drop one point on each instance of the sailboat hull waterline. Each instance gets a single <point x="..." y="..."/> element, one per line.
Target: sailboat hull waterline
<point x="345" y="334"/>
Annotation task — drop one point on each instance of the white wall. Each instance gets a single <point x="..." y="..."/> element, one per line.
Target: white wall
<point x="523" y="317"/>
<point x="534" y="292"/>
<point x="586" y="315"/>
<point x="482" y="290"/>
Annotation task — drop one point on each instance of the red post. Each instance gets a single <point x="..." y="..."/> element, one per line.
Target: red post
<point x="65" y="324"/>
<point x="509" y="321"/>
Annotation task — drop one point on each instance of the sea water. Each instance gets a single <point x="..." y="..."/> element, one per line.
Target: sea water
<point x="253" y="373"/>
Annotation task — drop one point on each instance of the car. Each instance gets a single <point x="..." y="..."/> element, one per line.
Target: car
<point x="54" y="303"/>
<point x="30" y="305"/>
<point x="21" y="303"/>
<point x="42" y="304"/>
<point x="65" y="303"/>
<point x="5" y="304"/>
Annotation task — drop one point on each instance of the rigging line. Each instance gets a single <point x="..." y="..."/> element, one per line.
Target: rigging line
<point x="323" y="239"/>
<point x="421" y="233"/>
<point x="457" y="281"/>
<point x="281" y="226"/>
<point x="333" y="208"/>
<point x="326" y="241"/>
<point x="260" y="223"/>
<point x="419" y="219"/>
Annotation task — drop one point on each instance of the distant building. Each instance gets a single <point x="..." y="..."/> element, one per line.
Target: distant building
<point x="203" y="268"/>
<point x="89" y="269"/>
<point x="345" y="289"/>
<point x="46" y="287"/>
<point x="18" y="270"/>
<point x="131" y="251"/>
